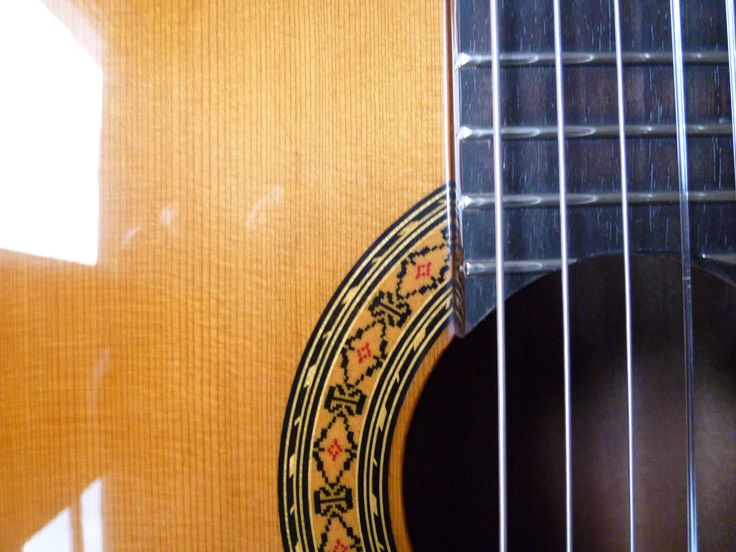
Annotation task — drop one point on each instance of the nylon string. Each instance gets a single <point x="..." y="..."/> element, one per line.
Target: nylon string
<point x="627" y="268"/>
<point x="564" y="256"/>
<point x="685" y="249"/>
<point x="500" y="283"/>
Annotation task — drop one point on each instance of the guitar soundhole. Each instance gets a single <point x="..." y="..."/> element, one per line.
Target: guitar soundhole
<point x="450" y="470"/>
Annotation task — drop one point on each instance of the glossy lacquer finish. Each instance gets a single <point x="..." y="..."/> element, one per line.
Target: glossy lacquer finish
<point x="198" y="177"/>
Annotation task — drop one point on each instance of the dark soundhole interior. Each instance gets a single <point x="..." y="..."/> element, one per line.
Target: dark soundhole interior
<point x="450" y="470"/>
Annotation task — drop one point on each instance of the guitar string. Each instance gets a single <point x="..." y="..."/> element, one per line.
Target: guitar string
<point x="731" y="38"/>
<point x="500" y="280"/>
<point x="560" y="106"/>
<point x="685" y="249"/>
<point x="627" y="265"/>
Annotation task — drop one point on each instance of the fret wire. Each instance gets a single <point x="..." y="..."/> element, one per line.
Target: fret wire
<point x="500" y="280"/>
<point x="532" y="59"/>
<point x="544" y="265"/>
<point x="731" y="32"/>
<point x="627" y="266"/>
<point x="560" y="106"/>
<point x="517" y="201"/>
<point x="679" y="84"/>
<point x="466" y="132"/>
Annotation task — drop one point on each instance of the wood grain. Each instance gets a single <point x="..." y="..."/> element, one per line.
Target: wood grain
<point x="251" y="151"/>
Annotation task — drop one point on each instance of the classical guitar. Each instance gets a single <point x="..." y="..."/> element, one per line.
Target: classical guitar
<point x="587" y="251"/>
<point x="239" y="239"/>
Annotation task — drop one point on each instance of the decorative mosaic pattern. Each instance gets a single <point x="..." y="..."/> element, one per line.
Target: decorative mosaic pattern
<point x="352" y="378"/>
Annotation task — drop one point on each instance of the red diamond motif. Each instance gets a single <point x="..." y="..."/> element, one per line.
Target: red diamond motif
<point x="364" y="352"/>
<point x="423" y="270"/>
<point x="334" y="449"/>
<point x="339" y="547"/>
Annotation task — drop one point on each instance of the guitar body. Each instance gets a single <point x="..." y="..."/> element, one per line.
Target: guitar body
<point x="250" y="154"/>
<point x="237" y="362"/>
